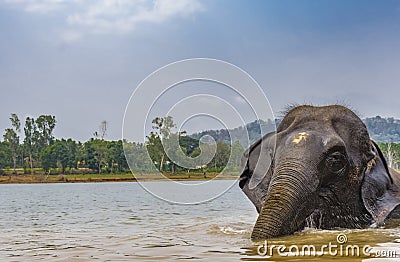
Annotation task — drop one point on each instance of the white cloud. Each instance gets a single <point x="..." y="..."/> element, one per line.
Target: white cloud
<point x="125" y="15"/>
<point x="109" y="16"/>
<point x="38" y="6"/>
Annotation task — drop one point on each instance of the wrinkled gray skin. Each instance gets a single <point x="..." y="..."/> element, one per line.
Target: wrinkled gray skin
<point x="320" y="168"/>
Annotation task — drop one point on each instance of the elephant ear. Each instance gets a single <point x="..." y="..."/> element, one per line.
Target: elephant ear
<point x="380" y="191"/>
<point x="256" y="163"/>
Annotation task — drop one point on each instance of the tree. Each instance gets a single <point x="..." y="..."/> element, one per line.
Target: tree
<point x="391" y="152"/>
<point x="89" y="155"/>
<point x="196" y="152"/>
<point x="236" y="153"/>
<point x="99" y="145"/>
<point x="137" y="156"/>
<point x="45" y="125"/>
<point x="390" y="155"/>
<point x="100" y="148"/>
<point x="102" y="130"/>
<point x="155" y="149"/>
<point x="97" y="149"/>
<point x="221" y="157"/>
<point x="66" y="153"/>
<point x="190" y="144"/>
<point x="12" y="139"/>
<point x="176" y="154"/>
<point x="115" y="156"/>
<point x="162" y="130"/>
<point x="48" y="158"/>
<point x="5" y="155"/>
<point x="30" y="140"/>
<point x="38" y="136"/>
<point x="62" y="153"/>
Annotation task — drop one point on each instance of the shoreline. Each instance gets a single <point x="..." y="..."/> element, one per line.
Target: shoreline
<point x="99" y="178"/>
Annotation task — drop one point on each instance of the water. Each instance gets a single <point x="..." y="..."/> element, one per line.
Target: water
<point x="122" y="222"/>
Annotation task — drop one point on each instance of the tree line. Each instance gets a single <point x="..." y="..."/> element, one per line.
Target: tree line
<point x="197" y="154"/>
<point x="383" y="129"/>
<point x="40" y="152"/>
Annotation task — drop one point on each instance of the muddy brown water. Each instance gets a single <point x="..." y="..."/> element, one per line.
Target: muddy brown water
<point x="122" y="222"/>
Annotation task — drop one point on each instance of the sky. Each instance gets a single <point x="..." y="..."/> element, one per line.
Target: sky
<point x="82" y="60"/>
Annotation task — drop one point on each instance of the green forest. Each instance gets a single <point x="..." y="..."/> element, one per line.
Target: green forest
<point x="384" y="129"/>
<point x="40" y="152"/>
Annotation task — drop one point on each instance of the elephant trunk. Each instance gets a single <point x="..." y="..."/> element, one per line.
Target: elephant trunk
<point x="288" y="201"/>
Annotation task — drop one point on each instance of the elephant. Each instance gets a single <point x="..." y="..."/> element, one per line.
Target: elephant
<point x="320" y="168"/>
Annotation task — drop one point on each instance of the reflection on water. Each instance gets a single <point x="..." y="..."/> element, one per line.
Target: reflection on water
<point x="122" y="222"/>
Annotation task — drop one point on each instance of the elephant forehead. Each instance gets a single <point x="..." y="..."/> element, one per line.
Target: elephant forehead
<point x="300" y="137"/>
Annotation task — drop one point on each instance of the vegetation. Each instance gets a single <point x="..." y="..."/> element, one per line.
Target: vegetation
<point x="194" y="152"/>
<point x="12" y="139"/>
<point x="384" y="129"/>
<point x="40" y="153"/>
<point x="391" y="151"/>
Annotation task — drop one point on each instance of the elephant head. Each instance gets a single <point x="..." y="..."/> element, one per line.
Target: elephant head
<point x="320" y="167"/>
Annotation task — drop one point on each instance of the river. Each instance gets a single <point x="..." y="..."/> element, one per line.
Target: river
<point x="123" y="222"/>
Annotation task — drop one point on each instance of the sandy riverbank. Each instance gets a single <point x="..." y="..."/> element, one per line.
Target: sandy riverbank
<point x="89" y="178"/>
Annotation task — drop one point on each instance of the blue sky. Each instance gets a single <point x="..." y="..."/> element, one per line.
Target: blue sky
<point x="81" y="60"/>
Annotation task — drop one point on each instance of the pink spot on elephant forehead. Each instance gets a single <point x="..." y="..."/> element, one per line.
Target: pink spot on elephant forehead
<point x="300" y="137"/>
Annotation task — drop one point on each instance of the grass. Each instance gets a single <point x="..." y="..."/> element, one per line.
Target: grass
<point x="128" y="177"/>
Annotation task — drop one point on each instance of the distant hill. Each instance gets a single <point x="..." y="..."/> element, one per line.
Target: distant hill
<point x="381" y="130"/>
<point x="254" y="132"/>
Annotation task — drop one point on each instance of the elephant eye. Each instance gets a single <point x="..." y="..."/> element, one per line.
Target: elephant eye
<point x="335" y="162"/>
